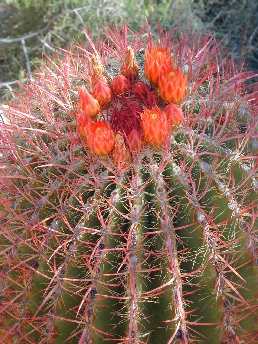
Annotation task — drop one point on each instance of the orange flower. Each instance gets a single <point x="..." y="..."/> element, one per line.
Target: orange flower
<point x="83" y="121"/>
<point x="120" y="84"/>
<point x="129" y="66"/>
<point x="120" y="153"/>
<point x="87" y="102"/>
<point x="100" y="138"/>
<point x="157" y="62"/>
<point x="103" y="93"/>
<point x="155" y="126"/>
<point x="134" y="140"/>
<point x="174" y="114"/>
<point x="173" y="86"/>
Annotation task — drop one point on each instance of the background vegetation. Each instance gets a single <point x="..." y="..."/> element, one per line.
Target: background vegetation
<point x="29" y="28"/>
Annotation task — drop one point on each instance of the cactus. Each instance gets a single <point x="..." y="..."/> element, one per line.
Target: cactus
<point x="129" y="196"/>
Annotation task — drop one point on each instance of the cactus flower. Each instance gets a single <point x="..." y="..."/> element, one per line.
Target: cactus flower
<point x="120" y="84"/>
<point x="140" y="89"/>
<point x="83" y="121"/>
<point x="157" y="62"/>
<point x="173" y="86"/>
<point x="155" y="126"/>
<point x="103" y="93"/>
<point x="135" y="140"/>
<point x="100" y="138"/>
<point x="87" y="102"/>
<point x="174" y="114"/>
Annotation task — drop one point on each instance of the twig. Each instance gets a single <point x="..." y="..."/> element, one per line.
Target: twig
<point x="24" y="48"/>
<point x="46" y="44"/>
<point x="252" y="35"/>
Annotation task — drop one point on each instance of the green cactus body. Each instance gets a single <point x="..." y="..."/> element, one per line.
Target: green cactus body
<point x="158" y="247"/>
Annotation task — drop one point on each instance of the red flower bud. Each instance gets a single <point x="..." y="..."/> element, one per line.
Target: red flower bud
<point x="100" y="138"/>
<point x="120" y="84"/>
<point x="173" y="86"/>
<point x="87" y="102"/>
<point x="155" y="126"/>
<point x="103" y="93"/>
<point x="135" y="140"/>
<point x="140" y="89"/>
<point x="174" y="114"/>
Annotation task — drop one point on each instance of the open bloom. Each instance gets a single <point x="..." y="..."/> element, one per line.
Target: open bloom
<point x="157" y="62"/>
<point x="155" y="126"/>
<point x="103" y="93"/>
<point x="87" y="102"/>
<point x="173" y="86"/>
<point x="100" y="137"/>
<point x="174" y="114"/>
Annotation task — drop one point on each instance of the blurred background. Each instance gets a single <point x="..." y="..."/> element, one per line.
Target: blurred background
<point x="30" y="27"/>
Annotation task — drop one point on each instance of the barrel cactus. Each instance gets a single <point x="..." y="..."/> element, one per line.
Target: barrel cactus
<point x="129" y="196"/>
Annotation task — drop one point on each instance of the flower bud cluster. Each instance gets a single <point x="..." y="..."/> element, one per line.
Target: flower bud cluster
<point x="160" y="71"/>
<point x="110" y="126"/>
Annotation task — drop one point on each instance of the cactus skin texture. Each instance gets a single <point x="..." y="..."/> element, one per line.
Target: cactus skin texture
<point x="150" y="244"/>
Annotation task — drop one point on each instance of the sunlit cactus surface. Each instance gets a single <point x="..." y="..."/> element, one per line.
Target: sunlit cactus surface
<point x="129" y="196"/>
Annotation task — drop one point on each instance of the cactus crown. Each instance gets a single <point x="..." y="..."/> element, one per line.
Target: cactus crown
<point x="129" y="196"/>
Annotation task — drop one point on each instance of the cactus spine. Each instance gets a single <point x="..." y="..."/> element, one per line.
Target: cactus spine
<point x="137" y="221"/>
